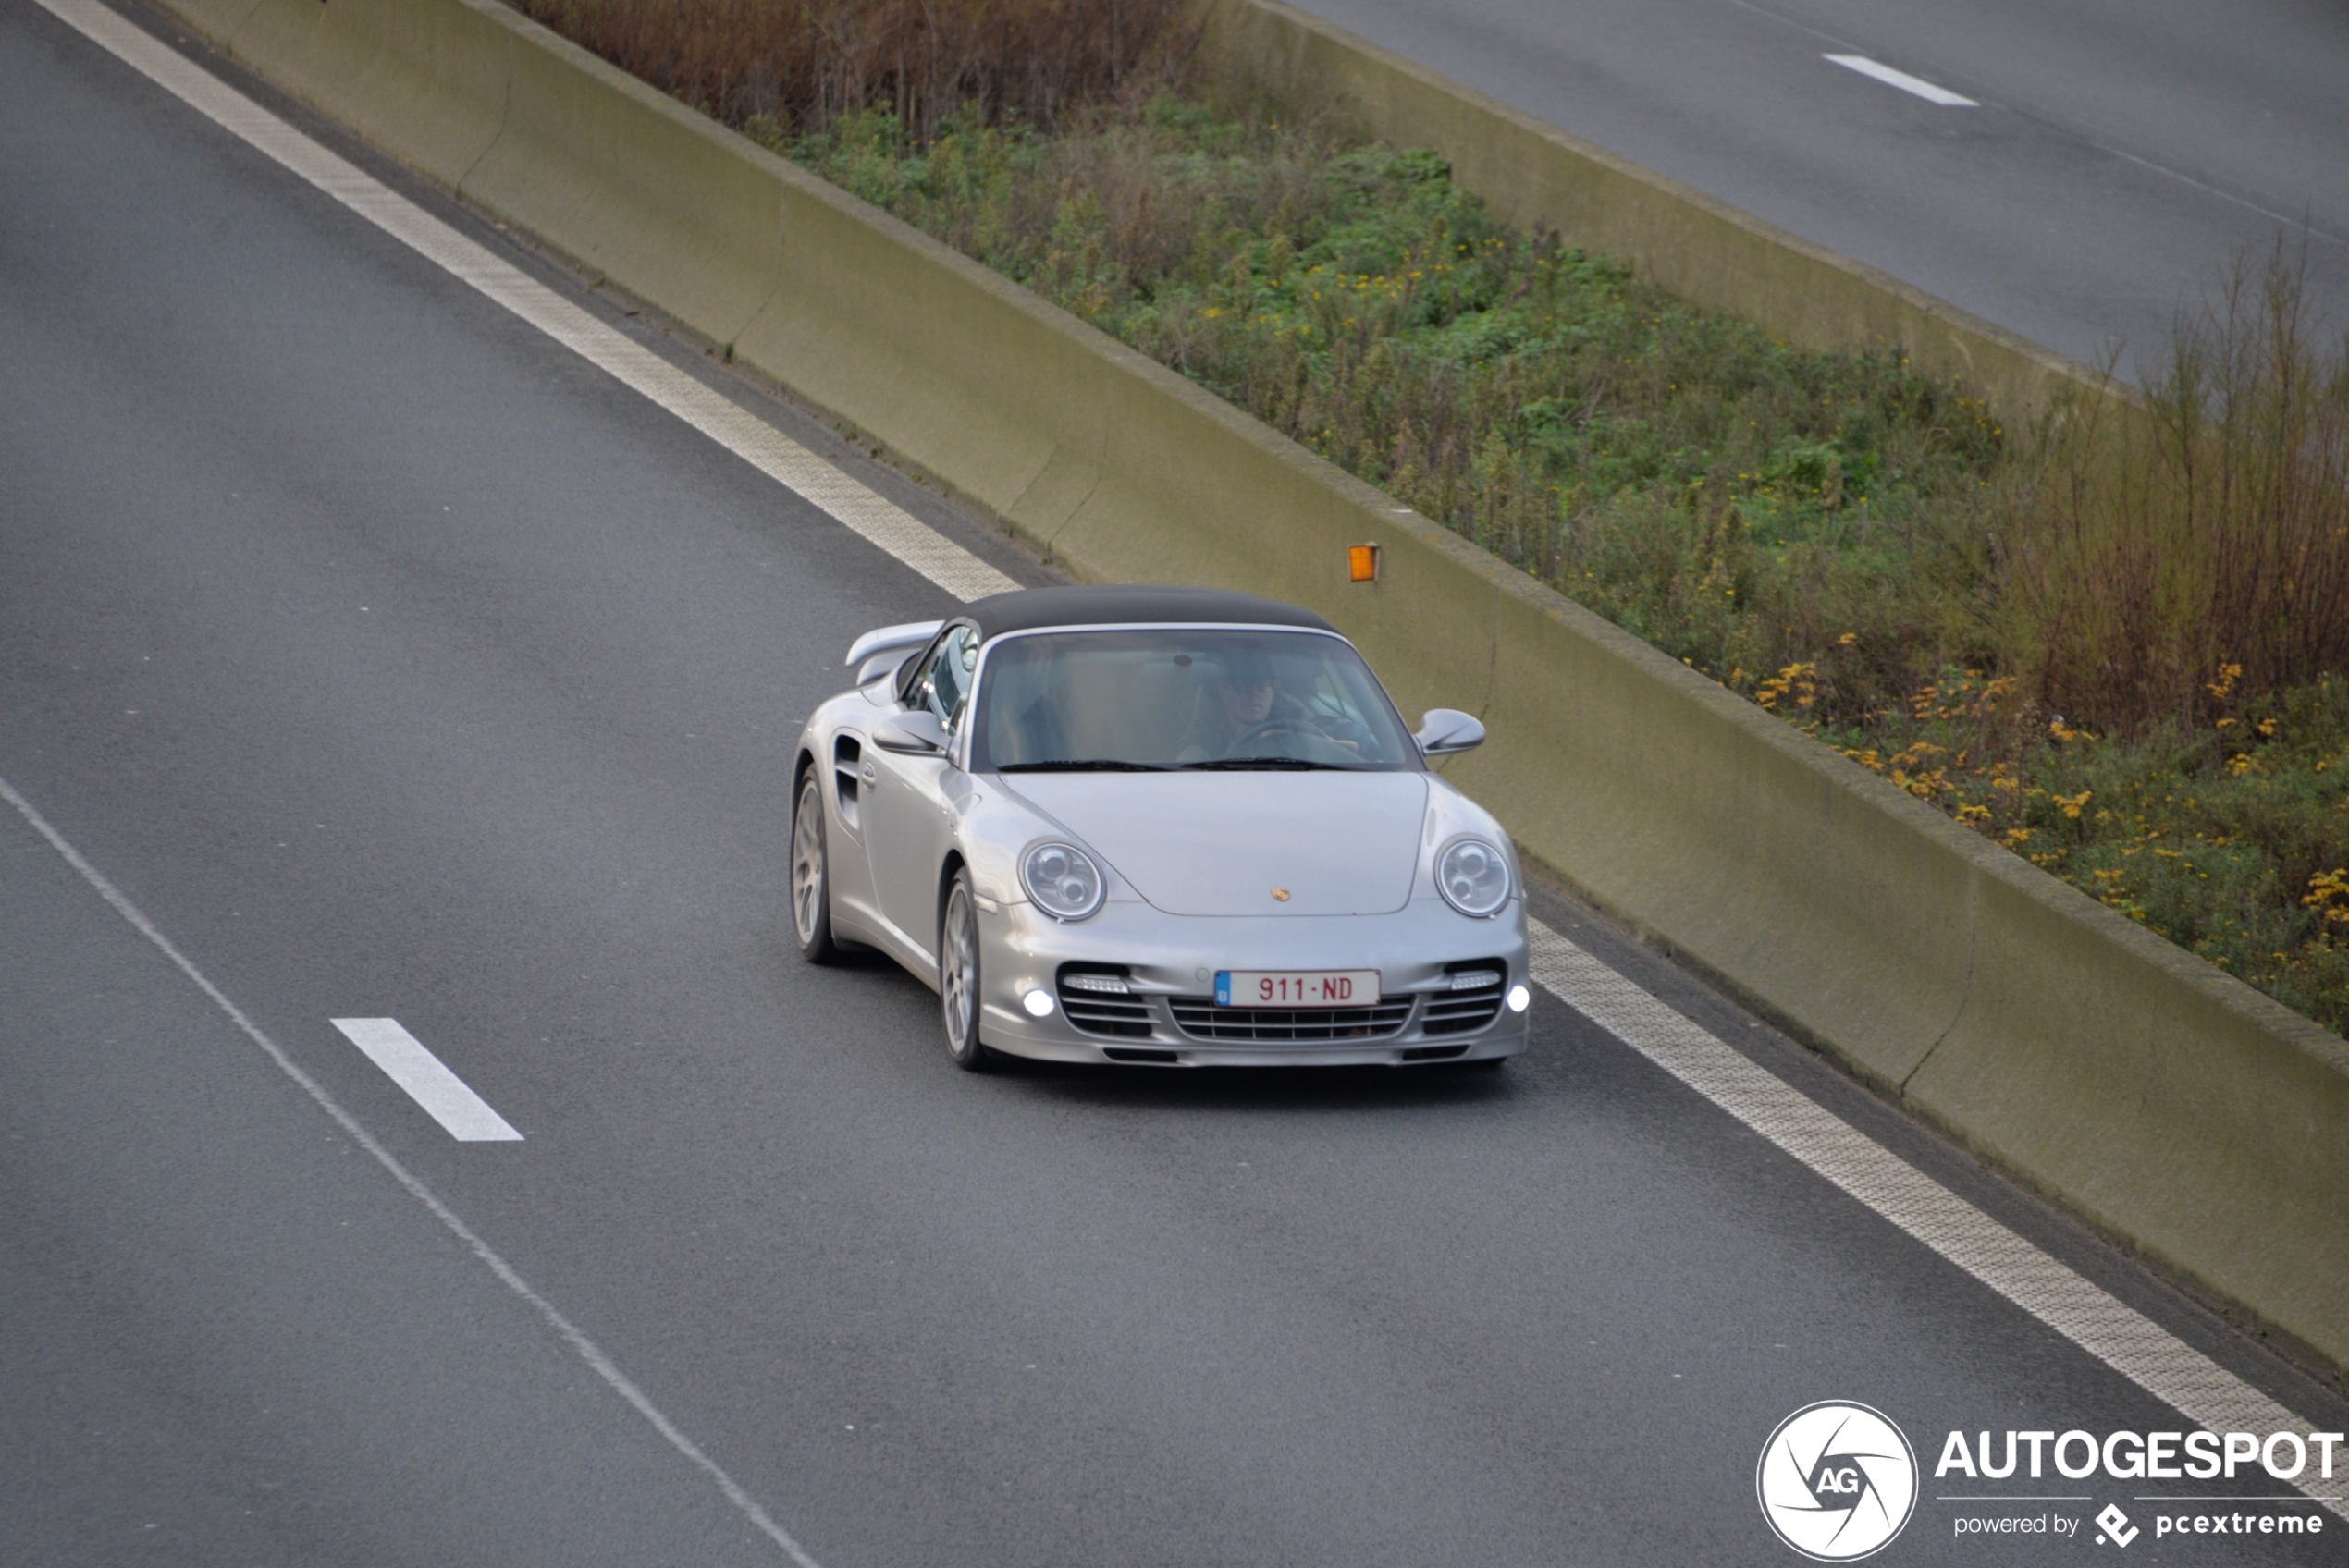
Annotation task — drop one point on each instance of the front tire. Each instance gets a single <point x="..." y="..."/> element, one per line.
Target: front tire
<point x="811" y="876"/>
<point x="958" y="992"/>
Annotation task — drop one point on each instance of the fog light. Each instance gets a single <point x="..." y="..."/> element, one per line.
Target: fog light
<point x="1039" y="1003"/>
<point x="1519" y="998"/>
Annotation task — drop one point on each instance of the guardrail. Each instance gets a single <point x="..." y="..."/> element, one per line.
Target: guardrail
<point x="2168" y="1104"/>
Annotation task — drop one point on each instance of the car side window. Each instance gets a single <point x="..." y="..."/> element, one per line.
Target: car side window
<point x="945" y="684"/>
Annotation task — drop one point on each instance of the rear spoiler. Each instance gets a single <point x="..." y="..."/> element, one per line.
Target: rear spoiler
<point x="876" y="652"/>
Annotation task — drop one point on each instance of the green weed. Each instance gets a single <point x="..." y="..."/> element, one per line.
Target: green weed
<point x="1740" y="504"/>
<point x="2228" y="834"/>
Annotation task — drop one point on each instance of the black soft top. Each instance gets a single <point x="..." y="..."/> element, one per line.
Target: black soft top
<point x="1026" y="609"/>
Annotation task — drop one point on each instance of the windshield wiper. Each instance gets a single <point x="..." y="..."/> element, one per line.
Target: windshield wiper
<point x="1277" y="765"/>
<point x="1083" y="764"/>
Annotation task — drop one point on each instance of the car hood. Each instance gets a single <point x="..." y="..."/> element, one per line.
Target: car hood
<point x="1219" y="844"/>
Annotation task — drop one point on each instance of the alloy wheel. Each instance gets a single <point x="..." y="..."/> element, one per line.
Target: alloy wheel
<point x="958" y="974"/>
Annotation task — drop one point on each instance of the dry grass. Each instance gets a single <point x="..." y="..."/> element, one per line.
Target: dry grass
<point x="2153" y="552"/>
<point x="801" y="64"/>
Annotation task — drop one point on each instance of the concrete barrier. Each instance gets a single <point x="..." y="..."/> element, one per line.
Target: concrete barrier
<point x="2165" y="1102"/>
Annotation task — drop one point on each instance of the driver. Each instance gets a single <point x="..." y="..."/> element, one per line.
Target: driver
<point x="1243" y="699"/>
<point x="1241" y="695"/>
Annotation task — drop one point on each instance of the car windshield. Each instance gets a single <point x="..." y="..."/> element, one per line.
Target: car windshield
<point x="1152" y="699"/>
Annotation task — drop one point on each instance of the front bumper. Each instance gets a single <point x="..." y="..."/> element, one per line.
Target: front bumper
<point x="1166" y="1017"/>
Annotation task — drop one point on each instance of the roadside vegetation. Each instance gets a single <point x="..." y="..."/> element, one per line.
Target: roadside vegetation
<point x="2118" y="644"/>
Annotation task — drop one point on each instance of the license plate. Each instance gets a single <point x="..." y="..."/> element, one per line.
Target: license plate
<point x="1296" y="987"/>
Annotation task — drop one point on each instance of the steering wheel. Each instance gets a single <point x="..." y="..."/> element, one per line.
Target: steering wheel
<point x="1321" y="749"/>
<point x="1282" y="724"/>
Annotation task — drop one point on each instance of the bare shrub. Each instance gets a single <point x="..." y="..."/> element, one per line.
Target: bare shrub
<point x="2161" y="559"/>
<point x="801" y="64"/>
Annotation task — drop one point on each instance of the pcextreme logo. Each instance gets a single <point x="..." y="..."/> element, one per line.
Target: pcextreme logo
<point x="1836" y="1481"/>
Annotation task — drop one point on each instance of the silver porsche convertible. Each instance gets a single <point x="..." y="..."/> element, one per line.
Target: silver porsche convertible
<point x="1160" y="826"/>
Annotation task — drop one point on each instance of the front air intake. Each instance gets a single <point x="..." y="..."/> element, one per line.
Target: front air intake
<point x="1200" y="1019"/>
<point x="1471" y="1000"/>
<point x="1098" y="999"/>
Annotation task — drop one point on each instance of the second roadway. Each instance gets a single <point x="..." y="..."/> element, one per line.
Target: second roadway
<point x="2117" y="156"/>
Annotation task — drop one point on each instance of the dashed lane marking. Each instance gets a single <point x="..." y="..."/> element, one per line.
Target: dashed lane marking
<point x="1904" y="81"/>
<point x="570" y="1333"/>
<point x="449" y="1099"/>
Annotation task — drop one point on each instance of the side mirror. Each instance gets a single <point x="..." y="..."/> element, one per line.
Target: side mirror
<point x="1447" y="731"/>
<point x="918" y="731"/>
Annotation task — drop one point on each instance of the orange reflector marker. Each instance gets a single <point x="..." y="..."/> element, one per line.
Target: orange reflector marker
<point x="1363" y="561"/>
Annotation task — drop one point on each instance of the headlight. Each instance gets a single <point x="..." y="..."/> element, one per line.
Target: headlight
<point x="1473" y="877"/>
<point x="1063" y="880"/>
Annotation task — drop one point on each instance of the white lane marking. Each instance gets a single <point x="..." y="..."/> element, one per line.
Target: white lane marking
<point x="1904" y="81"/>
<point x="586" y="1349"/>
<point x="2116" y="1334"/>
<point x="2140" y="1350"/>
<point x="2299" y="221"/>
<point x="427" y="1080"/>
<point x="740" y="432"/>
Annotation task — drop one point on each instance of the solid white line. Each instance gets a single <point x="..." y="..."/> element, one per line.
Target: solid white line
<point x="2123" y="1337"/>
<point x="585" y="1348"/>
<point x="740" y="432"/>
<point x="1904" y="81"/>
<point x="427" y="1080"/>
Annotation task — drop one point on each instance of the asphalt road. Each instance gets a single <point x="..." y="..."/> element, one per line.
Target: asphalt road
<point x="2121" y="153"/>
<point x="395" y="662"/>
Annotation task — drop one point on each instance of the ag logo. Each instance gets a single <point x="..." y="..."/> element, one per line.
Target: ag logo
<point x="1836" y="1481"/>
